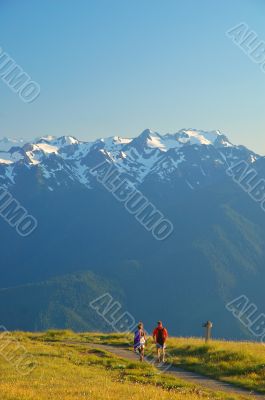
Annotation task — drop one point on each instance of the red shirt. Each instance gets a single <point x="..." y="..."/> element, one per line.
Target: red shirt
<point x="156" y="333"/>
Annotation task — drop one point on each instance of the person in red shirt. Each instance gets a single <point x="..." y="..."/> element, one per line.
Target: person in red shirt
<point x="160" y="336"/>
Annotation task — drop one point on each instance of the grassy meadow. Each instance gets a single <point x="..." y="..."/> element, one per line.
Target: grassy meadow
<point x="73" y="371"/>
<point x="240" y="363"/>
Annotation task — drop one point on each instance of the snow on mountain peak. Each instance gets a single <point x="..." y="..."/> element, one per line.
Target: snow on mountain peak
<point x="148" y="153"/>
<point x="120" y="140"/>
<point x="6" y="143"/>
<point x="66" y="140"/>
<point x="57" y="141"/>
<point x="148" y="133"/>
<point x="153" y="140"/>
<point x="47" y="138"/>
<point x="194" y="136"/>
<point x="139" y="149"/>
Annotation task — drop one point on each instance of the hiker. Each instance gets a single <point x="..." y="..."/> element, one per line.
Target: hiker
<point x="160" y="335"/>
<point x="139" y="340"/>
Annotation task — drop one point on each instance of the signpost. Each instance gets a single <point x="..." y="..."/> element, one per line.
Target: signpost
<point x="208" y="328"/>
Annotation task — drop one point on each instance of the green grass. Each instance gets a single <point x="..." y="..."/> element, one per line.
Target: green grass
<point x="75" y="371"/>
<point x="239" y="363"/>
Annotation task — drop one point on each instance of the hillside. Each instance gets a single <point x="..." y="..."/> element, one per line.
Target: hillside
<point x="59" y="302"/>
<point x="214" y="253"/>
<point x="61" y="364"/>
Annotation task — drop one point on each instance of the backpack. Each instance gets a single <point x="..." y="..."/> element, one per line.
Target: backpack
<point x="137" y="337"/>
<point x="160" y="336"/>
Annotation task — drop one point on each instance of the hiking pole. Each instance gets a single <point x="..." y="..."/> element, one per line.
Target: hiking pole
<point x="208" y="328"/>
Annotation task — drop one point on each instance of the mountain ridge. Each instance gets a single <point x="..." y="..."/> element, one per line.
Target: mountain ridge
<point x="141" y="157"/>
<point x="214" y="254"/>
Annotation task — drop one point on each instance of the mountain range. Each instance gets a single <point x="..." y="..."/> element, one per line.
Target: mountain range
<point x="88" y="242"/>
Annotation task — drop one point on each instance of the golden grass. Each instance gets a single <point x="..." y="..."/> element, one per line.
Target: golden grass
<point x="75" y="372"/>
<point x="241" y="363"/>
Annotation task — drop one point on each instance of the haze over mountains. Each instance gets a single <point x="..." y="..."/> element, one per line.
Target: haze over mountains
<point x="87" y="243"/>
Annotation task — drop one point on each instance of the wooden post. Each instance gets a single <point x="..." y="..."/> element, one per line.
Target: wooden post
<point x="208" y="328"/>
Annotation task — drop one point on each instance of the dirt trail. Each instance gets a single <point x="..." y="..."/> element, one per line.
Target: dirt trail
<point x="192" y="377"/>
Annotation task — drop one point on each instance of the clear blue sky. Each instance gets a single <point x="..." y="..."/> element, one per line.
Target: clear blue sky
<point x="115" y="67"/>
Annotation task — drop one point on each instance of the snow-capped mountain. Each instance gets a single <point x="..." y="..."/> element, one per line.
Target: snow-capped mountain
<point x="6" y="143"/>
<point x="214" y="253"/>
<point x="196" y="156"/>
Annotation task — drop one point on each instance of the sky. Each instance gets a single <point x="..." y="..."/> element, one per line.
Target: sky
<point x="116" y="67"/>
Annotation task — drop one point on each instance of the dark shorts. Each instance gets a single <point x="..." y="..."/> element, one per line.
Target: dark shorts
<point x="161" y="346"/>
